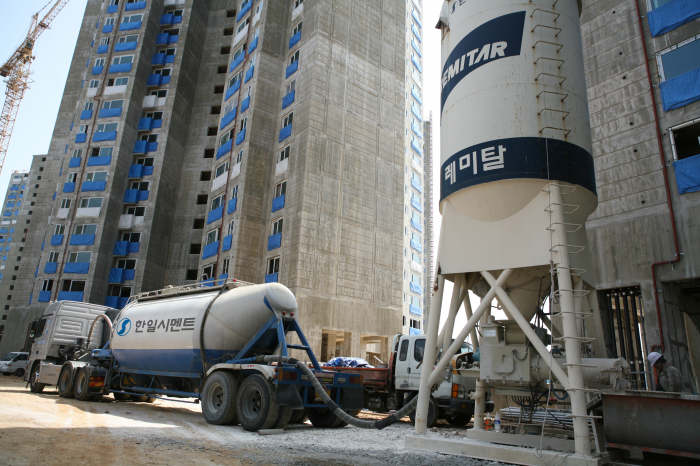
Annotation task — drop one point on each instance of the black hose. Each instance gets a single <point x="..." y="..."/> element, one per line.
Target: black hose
<point x="330" y="404"/>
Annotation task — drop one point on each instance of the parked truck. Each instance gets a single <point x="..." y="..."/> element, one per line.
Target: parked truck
<point x="390" y="387"/>
<point x="215" y="344"/>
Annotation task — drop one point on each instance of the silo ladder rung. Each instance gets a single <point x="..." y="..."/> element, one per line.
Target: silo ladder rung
<point x="561" y="62"/>
<point x="578" y="315"/>
<point x="551" y="76"/>
<point x="552" y="92"/>
<point x="577" y="293"/>
<point x="548" y="27"/>
<point x="549" y="43"/>
<point x="582" y="340"/>
<point x="572" y="206"/>
<point x="567" y="131"/>
<point x="571" y="187"/>
<point x="577" y="225"/>
<point x="573" y="270"/>
<point x="566" y="114"/>
<point x="557" y="15"/>
<point x="573" y="249"/>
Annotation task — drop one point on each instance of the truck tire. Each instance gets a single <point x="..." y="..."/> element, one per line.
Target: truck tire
<point x="283" y="417"/>
<point x="325" y="419"/>
<point x="257" y="404"/>
<point x="34" y="386"/>
<point x="459" y="420"/>
<point x="19" y="373"/>
<point x="65" y="383"/>
<point x="219" y="398"/>
<point x="82" y="385"/>
<point x="121" y="396"/>
<point x="433" y="413"/>
<point x="298" y="416"/>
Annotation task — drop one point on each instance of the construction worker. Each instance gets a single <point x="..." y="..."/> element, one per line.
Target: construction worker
<point x="669" y="379"/>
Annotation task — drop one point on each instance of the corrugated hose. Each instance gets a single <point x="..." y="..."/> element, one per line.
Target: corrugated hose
<point x="330" y="404"/>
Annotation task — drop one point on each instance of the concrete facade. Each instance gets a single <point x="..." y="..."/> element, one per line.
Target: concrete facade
<point x="632" y="226"/>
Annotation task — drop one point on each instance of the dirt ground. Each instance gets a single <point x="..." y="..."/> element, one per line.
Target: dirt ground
<point x="43" y="428"/>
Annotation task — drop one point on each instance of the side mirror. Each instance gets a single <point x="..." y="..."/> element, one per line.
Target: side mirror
<point x="32" y="329"/>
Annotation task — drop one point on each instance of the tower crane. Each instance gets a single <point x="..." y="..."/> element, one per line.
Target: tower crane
<point x="16" y="72"/>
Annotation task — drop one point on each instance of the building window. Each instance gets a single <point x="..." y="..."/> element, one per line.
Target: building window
<point x="77" y="153"/>
<point x="96" y="176"/>
<point x="59" y="230"/>
<point x="244" y="123"/>
<point x="221" y="170"/>
<point x="91" y="202"/>
<point x="239" y="156"/>
<point x="53" y="256"/>
<point x="73" y="285"/>
<point x="294" y="57"/>
<point x="195" y="248"/>
<point x="679" y="59"/>
<point x="109" y="21"/>
<point x="234" y="192"/>
<point x="217" y="202"/>
<point x="213" y="236"/>
<point x="85" y="230"/>
<point x="243" y="25"/>
<point x="228" y="31"/>
<point x="94" y="83"/>
<point x="132" y="19"/>
<point x="136" y="211"/>
<point x="651" y="4"/>
<point x="198" y="224"/>
<point x="81" y="257"/>
<point x="297" y="3"/>
<point x="224" y="266"/>
<point x="65" y="203"/>
<point x="291" y="87"/>
<point x="117" y="82"/>
<point x="297" y="28"/>
<point x="191" y="274"/>
<point x="202" y="199"/>
<point x="284" y="154"/>
<point x="235" y="79"/>
<point x="107" y="127"/>
<point x="123" y="60"/>
<point x="281" y="189"/>
<point x="104" y="41"/>
<point x="161" y="93"/>
<point x="273" y="265"/>
<point x="132" y="237"/>
<point x="128" y="264"/>
<point x="125" y="39"/>
<point x="277" y="226"/>
<point x="89" y="106"/>
<point x="229" y="229"/>
<point x="288" y="119"/>
<point x="208" y="272"/>
<point x="71" y="177"/>
<point x="100" y="62"/>
<point x="226" y="137"/>
<point x="685" y="140"/>
<point x="205" y="176"/>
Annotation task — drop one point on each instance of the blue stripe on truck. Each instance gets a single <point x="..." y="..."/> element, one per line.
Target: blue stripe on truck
<point x="169" y="360"/>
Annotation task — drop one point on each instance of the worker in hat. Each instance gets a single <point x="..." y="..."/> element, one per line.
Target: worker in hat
<point x="669" y="378"/>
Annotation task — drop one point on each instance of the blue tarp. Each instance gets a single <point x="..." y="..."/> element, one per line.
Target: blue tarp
<point x="74" y="162"/>
<point x="97" y="70"/>
<point x="240" y="137"/>
<point x="285" y="132"/>
<point x="133" y="247"/>
<point x="107" y="28"/>
<point x="415" y="17"/>
<point x="416" y="147"/>
<point x="224" y="149"/>
<point x="416" y="33"/>
<point x="416" y="245"/>
<point x="43" y="243"/>
<point x="121" y="248"/>
<point x="228" y="119"/>
<point x="51" y="267"/>
<point x="136" y="171"/>
<point x="681" y="90"/>
<point x="232" y="206"/>
<point x="416" y="48"/>
<point x="278" y="203"/>
<point x="416" y="63"/>
<point x="291" y="69"/>
<point x="348" y="362"/>
<point x="688" y="174"/>
<point x="226" y="245"/>
<point x="130" y="196"/>
<point x="416" y="129"/>
<point x="272" y="278"/>
<point x="111" y="301"/>
<point x="169" y="59"/>
<point x="99" y="161"/>
<point x="146" y="124"/>
<point x="233" y="89"/>
<point x="130" y="26"/>
<point x="416" y="184"/>
<point x="274" y="241"/>
<point x="417" y="205"/>
<point x="86" y="114"/>
<point x="77" y="267"/>
<point x="121" y="275"/>
<point x="415" y="95"/>
<point x="416" y="111"/>
<point x="288" y="99"/>
<point x="44" y="296"/>
<point x="154" y="80"/>
<point x="416" y="225"/>
<point x="249" y="74"/>
<point x="245" y="103"/>
<point x="173" y="39"/>
<point x="112" y="8"/>
<point x="253" y="46"/>
<point x="415" y="288"/>
<point x="215" y="215"/>
<point x="245" y="8"/>
<point x="94" y="186"/>
<point x="413" y="331"/>
<point x="105" y="136"/>
<point x="56" y="240"/>
<point x="82" y="240"/>
<point x="80" y="138"/>
<point x="135" y="6"/>
<point x="672" y="15"/>
<point x="140" y="147"/>
<point x="120" y="68"/>
<point x="142" y="195"/>
<point x="124" y="46"/>
<point x="162" y="38"/>
<point x="70" y="296"/>
<point x="210" y="250"/>
<point x="166" y="19"/>
<point x="223" y="276"/>
<point x="294" y="40"/>
<point x="110" y="113"/>
<point x="158" y="59"/>
<point x="68" y="187"/>
<point x="236" y="62"/>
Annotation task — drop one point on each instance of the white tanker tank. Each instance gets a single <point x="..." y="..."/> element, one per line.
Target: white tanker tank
<point x="165" y="334"/>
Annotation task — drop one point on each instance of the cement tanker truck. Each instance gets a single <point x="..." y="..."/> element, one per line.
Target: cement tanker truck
<point x="215" y="344"/>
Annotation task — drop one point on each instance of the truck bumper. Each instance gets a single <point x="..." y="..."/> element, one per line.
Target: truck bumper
<point x="466" y="406"/>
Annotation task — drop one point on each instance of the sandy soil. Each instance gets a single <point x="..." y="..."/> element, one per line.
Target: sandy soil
<point x="46" y="429"/>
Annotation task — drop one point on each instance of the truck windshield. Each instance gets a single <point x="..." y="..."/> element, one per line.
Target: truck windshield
<point x="419" y="349"/>
<point x="8" y="357"/>
<point x="40" y="327"/>
<point x="404" y="350"/>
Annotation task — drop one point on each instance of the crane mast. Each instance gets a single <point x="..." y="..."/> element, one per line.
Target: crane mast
<point x="16" y="70"/>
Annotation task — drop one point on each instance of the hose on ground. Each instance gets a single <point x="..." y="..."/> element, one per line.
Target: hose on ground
<point x="330" y="404"/>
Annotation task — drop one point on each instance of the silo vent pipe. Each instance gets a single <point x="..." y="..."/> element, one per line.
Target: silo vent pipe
<point x="330" y="404"/>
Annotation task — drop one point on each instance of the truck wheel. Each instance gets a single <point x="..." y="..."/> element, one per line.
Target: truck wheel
<point x="298" y="416"/>
<point x="121" y="396"/>
<point x="19" y="373"/>
<point x="219" y="398"/>
<point x="283" y="417"/>
<point x="433" y="413"/>
<point x="459" y="420"/>
<point x="65" y="383"/>
<point x="34" y="386"/>
<point x="323" y="418"/>
<point x="257" y="404"/>
<point x="82" y="385"/>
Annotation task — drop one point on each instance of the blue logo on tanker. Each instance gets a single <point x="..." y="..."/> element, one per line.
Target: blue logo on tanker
<point x="123" y="327"/>
<point x="499" y="38"/>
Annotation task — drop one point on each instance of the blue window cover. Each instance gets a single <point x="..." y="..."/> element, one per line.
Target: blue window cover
<point x="94" y="186"/>
<point x="44" y="296"/>
<point x="121" y="248"/>
<point x="99" y="161"/>
<point x="105" y="136"/>
<point x="417" y="186"/>
<point x="43" y="243"/>
<point x="80" y="138"/>
<point x="135" y="6"/>
<point x="158" y="59"/>
<point x="291" y="69"/>
<point x="224" y="149"/>
<point x="82" y="240"/>
<point x="2" y="240"/>
<point x="68" y="187"/>
<point x="416" y="48"/>
<point x="173" y="39"/>
<point x="416" y="111"/>
<point x="413" y="309"/>
<point x="236" y="62"/>
<point x="232" y="206"/>
<point x="112" y="8"/>
<point x="111" y="301"/>
<point x="245" y="103"/>
<point x="416" y="147"/>
<point x="249" y="74"/>
<point x="688" y="174"/>
<point x="170" y="59"/>
<point x="120" y="68"/>
<point x="107" y="28"/>
<point x="133" y="248"/>
<point x="288" y="99"/>
<point x="56" y="240"/>
<point x="416" y="33"/>
<point x="285" y="133"/>
<point x="162" y="38"/>
<point x="110" y="113"/>
<point x="116" y="276"/>
<point x="177" y="19"/>
<point x="147" y="124"/>
<point x="130" y="26"/>
<point x="140" y="147"/>
<point x="681" y="90"/>
<point x="223" y="276"/>
<point x="227" y="243"/>
<point x="417" y="205"/>
<point x="166" y="19"/>
<point x="416" y="225"/>
<point x="416" y="129"/>
<point x="51" y="267"/>
<point x="86" y="114"/>
<point x="272" y="278"/>
<point x="228" y="119"/>
<point x="415" y="288"/>
<point x="215" y="214"/>
<point x="103" y="48"/>
<point x="70" y="296"/>
<point x="130" y="196"/>
<point x="74" y="162"/>
<point x="77" y="267"/>
<point x="14" y="196"/>
<point x="123" y="47"/>
<point x="151" y="147"/>
<point x="253" y="45"/>
<point x="97" y="70"/>
<point x="416" y="63"/>
<point x="232" y="90"/>
<point x="415" y="17"/>
<point x="147" y="171"/>
<point x="274" y="241"/>
<point x="210" y="250"/>
<point x="413" y="331"/>
<point x="240" y="137"/>
<point x="136" y="171"/>
<point x="416" y="245"/>
<point x="245" y="8"/>
<point x="672" y="15"/>
<point x="415" y="95"/>
<point x="278" y="203"/>
<point x="294" y="40"/>
<point x="142" y="195"/>
<point x="153" y="80"/>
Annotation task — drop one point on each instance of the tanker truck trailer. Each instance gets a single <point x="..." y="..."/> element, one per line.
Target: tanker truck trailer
<point x="225" y="346"/>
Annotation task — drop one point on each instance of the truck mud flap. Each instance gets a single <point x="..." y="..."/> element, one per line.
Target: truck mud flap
<point x="351" y="398"/>
<point x="288" y="395"/>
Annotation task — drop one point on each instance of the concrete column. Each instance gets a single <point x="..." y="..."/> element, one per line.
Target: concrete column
<point x="448" y="329"/>
<point x="479" y="397"/>
<point x="468" y="311"/>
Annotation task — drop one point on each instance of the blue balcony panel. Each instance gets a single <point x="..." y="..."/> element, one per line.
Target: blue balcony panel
<point x="51" y="267"/>
<point x="232" y="206"/>
<point x="416" y="147"/>
<point x="672" y="15"/>
<point x="249" y="74"/>
<point x="124" y="46"/>
<point x="82" y="240"/>
<point x="215" y="215"/>
<point x="99" y="161"/>
<point x="112" y="8"/>
<point x="134" y="248"/>
<point x="165" y="80"/>
<point x="245" y="103"/>
<point x="294" y="40"/>
<point x="77" y="267"/>
<point x="97" y="70"/>
<point x="682" y="90"/>
<point x="240" y="137"/>
<point x="210" y="250"/>
<point x="120" y="68"/>
<point x="274" y="242"/>
<point x="253" y="45"/>
<point x="228" y="119"/>
<point x="136" y="171"/>
<point x="107" y="28"/>
<point x="416" y="184"/>
<point x="44" y="296"/>
<point x="140" y="147"/>
<point x="162" y="39"/>
<point x="102" y="49"/>
<point x="415" y="310"/>
<point x="74" y="162"/>
<point x="416" y="245"/>
<point x="130" y="26"/>
<point x="245" y="8"/>
<point x="236" y="62"/>
<point x="272" y="278"/>
<point x="166" y="19"/>
<point x="158" y="59"/>
<point x="110" y="113"/>
<point x="415" y="18"/>
<point x="288" y="99"/>
<point x="416" y="48"/>
<point x="70" y="296"/>
<point x="278" y="203"/>
<point x="169" y="59"/>
<point x="80" y="138"/>
<point x="121" y="248"/>
<point x="416" y="129"/>
<point x="417" y="225"/>
<point x="68" y="187"/>
<point x="291" y="69"/>
<point x="233" y="89"/>
<point x="416" y="205"/>
<point x="56" y="240"/>
<point x="151" y="147"/>
<point x="145" y="124"/>
<point x="415" y="95"/>
<point x="86" y="115"/>
<point x="177" y="19"/>
<point x="135" y="6"/>
<point x="130" y="196"/>
<point x="226" y="245"/>
<point x="111" y="301"/>
<point x="415" y="288"/>
<point x="105" y="136"/>
<point x="142" y="195"/>
<point x="224" y="149"/>
<point x="153" y="80"/>
<point x="285" y="132"/>
<point x="173" y="39"/>
<point x="94" y="186"/>
<point x="414" y="331"/>
<point x="116" y="276"/>
<point x="416" y="112"/>
<point x="687" y="174"/>
<point x="416" y="33"/>
<point x="416" y="63"/>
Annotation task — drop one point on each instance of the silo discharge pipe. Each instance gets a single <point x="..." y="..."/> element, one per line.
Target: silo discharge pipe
<point x="330" y="404"/>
